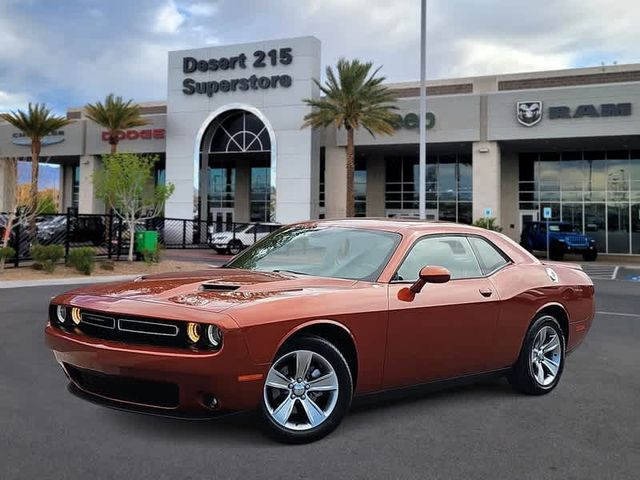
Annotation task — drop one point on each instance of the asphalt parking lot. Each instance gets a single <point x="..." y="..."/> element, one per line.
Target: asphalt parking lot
<point x="588" y="428"/>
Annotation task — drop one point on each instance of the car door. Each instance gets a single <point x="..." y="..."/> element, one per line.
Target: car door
<point x="448" y="329"/>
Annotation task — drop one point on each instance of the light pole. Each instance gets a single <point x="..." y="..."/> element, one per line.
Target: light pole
<point x="423" y="111"/>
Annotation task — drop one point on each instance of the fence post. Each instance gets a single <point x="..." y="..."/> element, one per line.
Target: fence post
<point x="16" y="260"/>
<point x="255" y="232"/>
<point x="184" y="234"/>
<point x="233" y="229"/>
<point x="66" y="235"/>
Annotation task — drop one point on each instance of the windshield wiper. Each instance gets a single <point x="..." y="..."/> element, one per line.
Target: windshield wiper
<point x="289" y="271"/>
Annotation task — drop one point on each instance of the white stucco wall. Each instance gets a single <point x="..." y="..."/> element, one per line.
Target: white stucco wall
<point x="282" y="108"/>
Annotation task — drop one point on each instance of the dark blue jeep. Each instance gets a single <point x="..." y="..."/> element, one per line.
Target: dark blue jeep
<point x="563" y="238"/>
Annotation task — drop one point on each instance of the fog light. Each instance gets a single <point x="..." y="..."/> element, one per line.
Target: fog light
<point x="210" y="401"/>
<point x="61" y="313"/>
<point x="193" y="332"/>
<point x="214" y="336"/>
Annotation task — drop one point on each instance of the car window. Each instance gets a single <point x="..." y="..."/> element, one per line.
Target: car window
<point x="263" y="228"/>
<point x="490" y="259"/>
<point x="453" y="253"/>
<point x="250" y="230"/>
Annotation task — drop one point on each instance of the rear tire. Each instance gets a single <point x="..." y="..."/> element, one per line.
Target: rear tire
<point x="526" y="245"/>
<point x="541" y="361"/>
<point x="307" y="391"/>
<point x="556" y="252"/>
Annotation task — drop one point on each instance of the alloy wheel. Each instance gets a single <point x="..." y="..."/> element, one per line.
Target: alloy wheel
<point x="546" y="355"/>
<point x="301" y="390"/>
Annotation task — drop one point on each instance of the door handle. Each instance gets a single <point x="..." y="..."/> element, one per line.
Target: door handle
<point x="486" y="292"/>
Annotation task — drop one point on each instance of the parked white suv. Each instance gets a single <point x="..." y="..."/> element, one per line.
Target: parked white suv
<point x="242" y="236"/>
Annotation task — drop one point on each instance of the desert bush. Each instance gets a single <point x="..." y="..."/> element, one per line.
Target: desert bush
<point x="46" y="256"/>
<point x="151" y="256"/>
<point x="488" y="224"/>
<point x="107" y="265"/>
<point x="82" y="259"/>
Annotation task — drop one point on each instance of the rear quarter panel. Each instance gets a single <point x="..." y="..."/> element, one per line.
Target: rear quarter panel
<point x="527" y="289"/>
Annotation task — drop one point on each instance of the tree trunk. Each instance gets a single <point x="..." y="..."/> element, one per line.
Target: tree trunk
<point x="114" y="148"/>
<point x="113" y="141"/>
<point x="33" y="191"/>
<point x="132" y="234"/>
<point x="350" y="171"/>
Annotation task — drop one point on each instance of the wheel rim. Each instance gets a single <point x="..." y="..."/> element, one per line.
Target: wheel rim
<point x="301" y="390"/>
<point x="546" y="356"/>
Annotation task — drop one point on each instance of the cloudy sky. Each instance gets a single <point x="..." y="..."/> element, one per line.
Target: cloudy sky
<point x="69" y="52"/>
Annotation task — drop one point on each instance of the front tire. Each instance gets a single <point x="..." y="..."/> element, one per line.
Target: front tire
<point x="590" y="256"/>
<point x="307" y="392"/>
<point x="234" y="247"/>
<point x="541" y="361"/>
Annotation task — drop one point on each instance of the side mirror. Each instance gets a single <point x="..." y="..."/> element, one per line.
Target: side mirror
<point x="427" y="274"/>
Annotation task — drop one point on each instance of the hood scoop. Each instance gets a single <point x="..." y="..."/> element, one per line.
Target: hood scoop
<point x="218" y="287"/>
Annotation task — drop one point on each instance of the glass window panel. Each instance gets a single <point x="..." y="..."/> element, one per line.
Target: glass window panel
<point x="447" y="211"/>
<point x="393" y="169"/>
<point x="618" y="227"/>
<point x="572" y="213"/>
<point x="447" y="174"/>
<point x="634" y="169"/>
<point x="465" y="173"/>
<point x="490" y="258"/>
<point x="595" y="171"/>
<point x="635" y="228"/>
<point x="465" y="213"/>
<point x="453" y="253"/>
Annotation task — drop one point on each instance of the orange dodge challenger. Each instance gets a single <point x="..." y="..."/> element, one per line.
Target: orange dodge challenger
<point x="318" y="312"/>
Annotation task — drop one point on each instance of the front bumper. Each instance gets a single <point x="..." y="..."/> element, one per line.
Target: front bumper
<point x="568" y="248"/>
<point x="160" y="380"/>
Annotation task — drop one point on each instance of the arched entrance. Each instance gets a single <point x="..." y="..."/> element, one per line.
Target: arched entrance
<point x="236" y="168"/>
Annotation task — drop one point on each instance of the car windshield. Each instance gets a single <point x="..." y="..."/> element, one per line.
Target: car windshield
<point x="350" y="253"/>
<point x="562" y="227"/>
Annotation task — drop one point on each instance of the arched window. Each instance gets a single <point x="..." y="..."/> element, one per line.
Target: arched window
<point x="239" y="132"/>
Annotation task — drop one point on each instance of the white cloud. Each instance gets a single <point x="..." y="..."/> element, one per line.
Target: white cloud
<point x="202" y="9"/>
<point x="168" y="19"/>
<point x="13" y="101"/>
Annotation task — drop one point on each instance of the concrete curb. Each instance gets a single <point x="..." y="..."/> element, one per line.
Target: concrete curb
<point x="64" y="281"/>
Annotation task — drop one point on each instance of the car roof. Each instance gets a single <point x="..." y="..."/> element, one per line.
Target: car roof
<point x="397" y="225"/>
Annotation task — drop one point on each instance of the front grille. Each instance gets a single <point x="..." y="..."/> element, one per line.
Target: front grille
<point x="98" y="321"/>
<point x="132" y="330"/>
<point x="125" y="389"/>
<point x="148" y="328"/>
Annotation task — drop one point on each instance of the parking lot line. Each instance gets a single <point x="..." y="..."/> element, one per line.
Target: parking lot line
<point x="620" y="314"/>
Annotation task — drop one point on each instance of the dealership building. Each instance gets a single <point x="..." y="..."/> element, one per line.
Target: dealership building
<point x="229" y="138"/>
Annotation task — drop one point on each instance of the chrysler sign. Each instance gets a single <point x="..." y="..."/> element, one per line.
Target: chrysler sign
<point x="257" y="61"/>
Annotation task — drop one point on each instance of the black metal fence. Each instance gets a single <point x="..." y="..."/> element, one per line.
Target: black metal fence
<point x="110" y="236"/>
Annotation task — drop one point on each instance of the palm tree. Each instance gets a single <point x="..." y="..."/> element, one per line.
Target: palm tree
<point x="36" y="123"/>
<point x="356" y="98"/>
<point x="115" y="114"/>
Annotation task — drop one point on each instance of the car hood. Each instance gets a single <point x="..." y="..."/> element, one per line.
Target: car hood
<point x="214" y="290"/>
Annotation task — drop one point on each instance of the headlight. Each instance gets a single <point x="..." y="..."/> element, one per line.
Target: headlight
<point x="76" y="316"/>
<point x="61" y="313"/>
<point x="193" y="332"/>
<point x="561" y="240"/>
<point x="214" y="336"/>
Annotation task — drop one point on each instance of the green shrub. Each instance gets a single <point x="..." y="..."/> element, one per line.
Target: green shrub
<point x="488" y="224"/>
<point x="151" y="256"/>
<point x="82" y="259"/>
<point x="7" y="252"/>
<point x="46" y="256"/>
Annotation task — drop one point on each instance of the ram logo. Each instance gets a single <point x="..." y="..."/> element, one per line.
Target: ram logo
<point x="529" y="113"/>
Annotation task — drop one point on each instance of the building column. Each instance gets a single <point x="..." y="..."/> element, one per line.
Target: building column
<point x="335" y="174"/>
<point x="486" y="180"/>
<point x="242" y="204"/>
<point x="510" y="176"/>
<point x="375" y="186"/>
<point x="87" y="201"/>
<point x="4" y="188"/>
